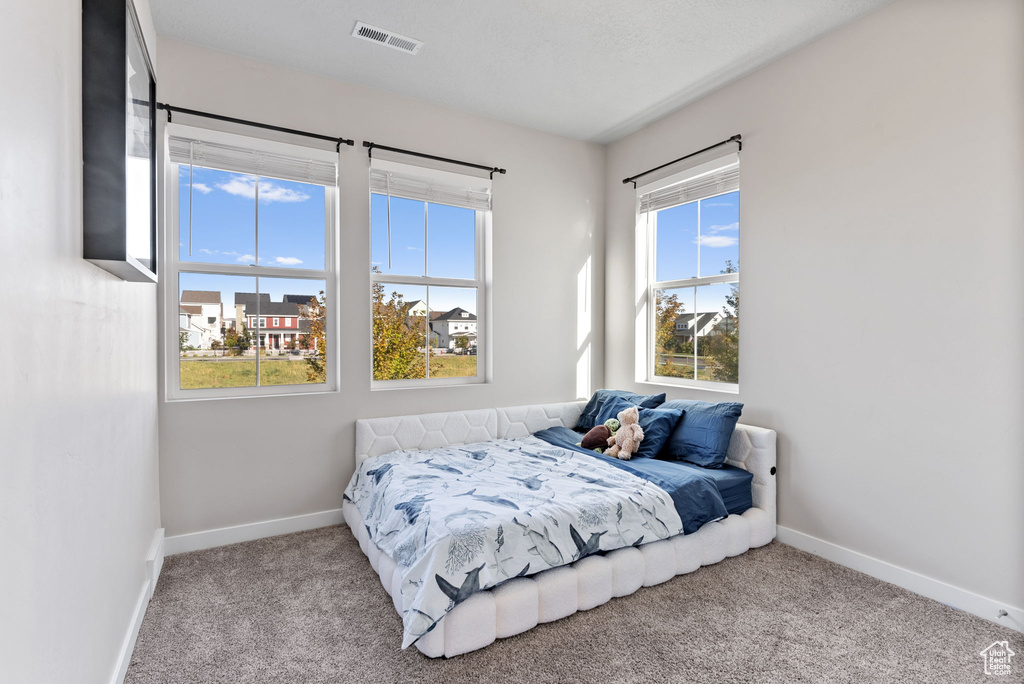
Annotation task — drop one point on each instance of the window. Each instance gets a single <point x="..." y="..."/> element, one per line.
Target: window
<point x="429" y="233"/>
<point x="688" y="261"/>
<point x="277" y="322"/>
<point x="211" y="319"/>
<point x="251" y="230"/>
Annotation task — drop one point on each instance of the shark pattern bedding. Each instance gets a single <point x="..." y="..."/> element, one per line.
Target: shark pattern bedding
<point x="461" y="519"/>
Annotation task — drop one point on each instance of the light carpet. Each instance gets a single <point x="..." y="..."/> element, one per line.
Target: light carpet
<point x="308" y="607"/>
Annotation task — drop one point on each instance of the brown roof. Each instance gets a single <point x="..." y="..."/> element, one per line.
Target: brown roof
<point x="191" y="308"/>
<point x="200" y="296"/>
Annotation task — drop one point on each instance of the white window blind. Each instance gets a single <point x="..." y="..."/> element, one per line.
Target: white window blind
<point x="257" y="163"/>
<point x="717" y="182"/>
<point x="430" y="185"/>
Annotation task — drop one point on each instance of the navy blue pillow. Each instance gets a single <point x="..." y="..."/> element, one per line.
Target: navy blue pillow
<point x="657" y="424"/>
<point x="588" y="418"/>
<point x="702" y="436"/>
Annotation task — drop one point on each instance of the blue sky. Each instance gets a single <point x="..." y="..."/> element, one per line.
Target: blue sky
<point x="291" y="220"/>
<point x="223" y="231"/>
<point x="291" y="234"/>
<point x="449" y="244"/>
<point x="715" y="239"/>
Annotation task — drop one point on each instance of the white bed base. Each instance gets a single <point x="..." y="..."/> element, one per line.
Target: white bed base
<point x="521" y="604"/>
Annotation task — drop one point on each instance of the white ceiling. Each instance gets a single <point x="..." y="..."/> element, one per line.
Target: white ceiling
<point x="589" y="69"/>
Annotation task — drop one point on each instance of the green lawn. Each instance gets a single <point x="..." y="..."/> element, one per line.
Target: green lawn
<point x="201" y="374"/>
<point x="682" y="370"/>
<point x="221" y="372"/>
<point x="452" y="366"/>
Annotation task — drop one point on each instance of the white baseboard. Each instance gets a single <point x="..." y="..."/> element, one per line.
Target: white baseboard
<point x="208" y="539"/>
<point x="154" y="561"/>
<point x="958" y="598"/>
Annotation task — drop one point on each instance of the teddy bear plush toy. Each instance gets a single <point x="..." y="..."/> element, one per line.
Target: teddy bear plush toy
<point x="626" y="440"/>
<point x="597" y="437"/>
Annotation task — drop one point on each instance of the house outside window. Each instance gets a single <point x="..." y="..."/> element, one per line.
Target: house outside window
<point x="252" y="227"/>
<point x="688" y="260"/>
<point x="430" y="234"/>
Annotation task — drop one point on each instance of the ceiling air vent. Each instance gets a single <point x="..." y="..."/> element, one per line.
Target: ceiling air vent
<point x="388" y="38"/>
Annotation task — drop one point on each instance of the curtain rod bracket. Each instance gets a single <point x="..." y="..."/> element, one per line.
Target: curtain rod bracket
<point x="166" y="108"/>
<point x="738" y="139"/>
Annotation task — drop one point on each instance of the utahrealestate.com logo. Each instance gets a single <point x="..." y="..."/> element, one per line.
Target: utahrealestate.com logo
<point x="997" y="658"/>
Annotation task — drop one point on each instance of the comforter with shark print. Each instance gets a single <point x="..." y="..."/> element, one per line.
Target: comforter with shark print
<point x="461" y="519"/>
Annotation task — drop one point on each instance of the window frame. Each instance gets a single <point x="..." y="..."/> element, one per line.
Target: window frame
<point x="174" y="267"/>
<point x="646" y="285"/>
<point x="480" y="281"/>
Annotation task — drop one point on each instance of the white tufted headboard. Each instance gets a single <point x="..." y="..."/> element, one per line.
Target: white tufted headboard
<point x="376" y="436"/>
<point x="752" y="448"/>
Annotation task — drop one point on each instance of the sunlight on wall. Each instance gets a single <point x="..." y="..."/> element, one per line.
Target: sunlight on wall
<point x="584" y="315"/>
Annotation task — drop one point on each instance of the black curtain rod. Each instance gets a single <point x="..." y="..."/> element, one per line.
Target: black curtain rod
<point x="736" y="139"/>
<point x="370" y="146"/>
<point x="230" y="119"/>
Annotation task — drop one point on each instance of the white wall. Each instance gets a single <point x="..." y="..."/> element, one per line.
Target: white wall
<point x="882" y="253"/>
<point x="285" y="456"/>
<point x="78" y="393"/>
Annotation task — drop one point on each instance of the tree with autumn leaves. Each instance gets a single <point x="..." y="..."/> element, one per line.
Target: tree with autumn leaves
<point x="719" y="348"/>
<point x="722" y="346"/>
<point x="668" y="308"/>
<point x="316" y="364"/>
<point x="398" y="338"/>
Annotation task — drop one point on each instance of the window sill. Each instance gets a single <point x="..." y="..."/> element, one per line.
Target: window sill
<point x="218" y="397"/>
<point x="722" y="388"/>
<point x="391" y="385"/>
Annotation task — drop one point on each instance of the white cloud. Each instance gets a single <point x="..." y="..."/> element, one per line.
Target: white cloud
<point x="245" y="186"/>
<point x="712" y="230"/>
<point x="414" y="249"/>
<point x="275" y="193"/>
<point x="287" y="261"/>
<point x="202" y="187"/>
<point x="719" y="204"/>
<point x="718" y="240"/>
<point x="246" y="257"/>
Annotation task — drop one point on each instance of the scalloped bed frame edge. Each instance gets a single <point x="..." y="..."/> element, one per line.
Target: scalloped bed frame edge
<point x="521" y="604"/>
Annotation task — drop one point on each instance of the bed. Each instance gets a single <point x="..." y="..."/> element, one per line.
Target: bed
<point x="543" y="569"/>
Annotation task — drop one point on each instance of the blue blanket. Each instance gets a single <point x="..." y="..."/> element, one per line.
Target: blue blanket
<point x="699" y="495"/>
